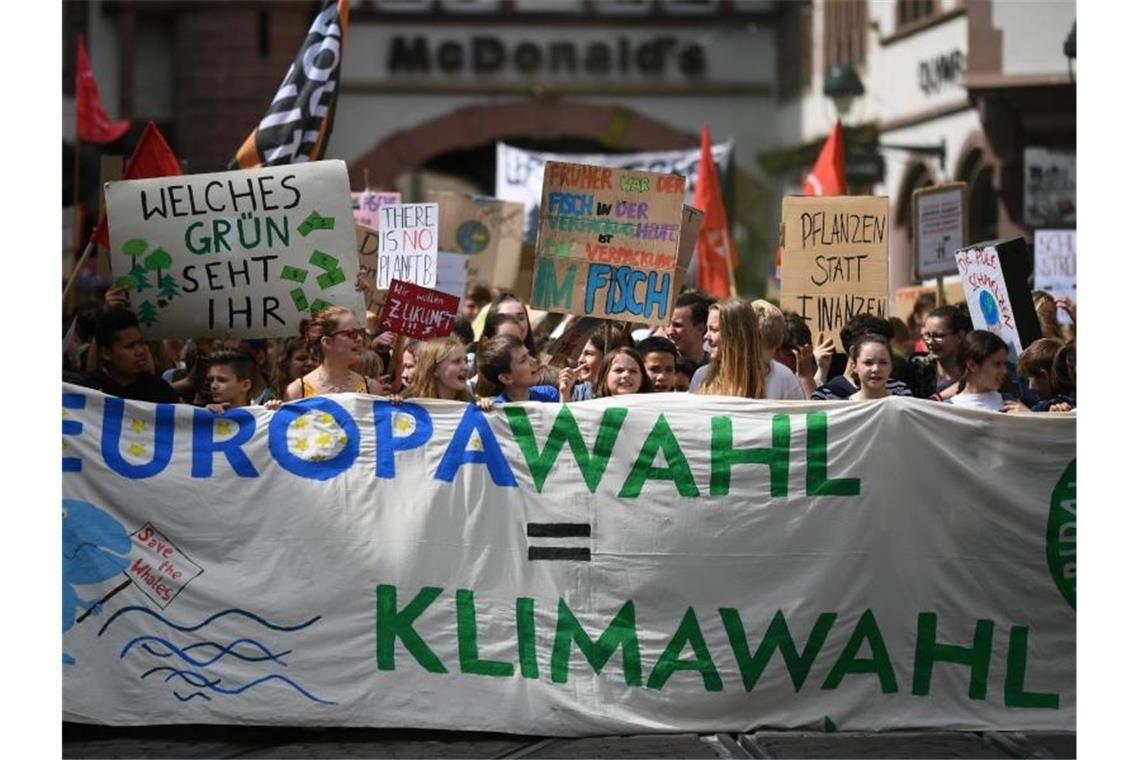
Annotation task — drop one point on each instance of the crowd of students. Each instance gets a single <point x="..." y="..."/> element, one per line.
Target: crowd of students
<point x="726" y="347"/>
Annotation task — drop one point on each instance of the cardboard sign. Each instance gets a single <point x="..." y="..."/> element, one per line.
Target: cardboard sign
<point x="367" y="247"/>
<point x="607" y="242"/>
<point x="995" y="276"/>
<point x="835" y="259"/>
<point x="906" y="296"/>
<point x="691" y="219"/>
<point x="420" y="313"/>
<point x="1055" y="265"/>
<point x="518" y="172"/>
<point x="488" y="231"/>
<point x="939" y="228"/>
<point x="250" y="252"/>
<point x="451" y="273"/>
<point x="409" y="242"/>
<point x="366" y="207"/>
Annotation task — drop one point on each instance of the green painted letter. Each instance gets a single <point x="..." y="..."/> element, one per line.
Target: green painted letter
<point x="724" y="455"/>
<point x="661" y="438"/>
<point x="621" y="632"/>
<point x="391" y="622"/>
<point x="927" y="651"/>
<point x="878" y="663"/>
<point x="469" y="661"/>
<point x="777" y="636"/>
<point x="688" y="632"/>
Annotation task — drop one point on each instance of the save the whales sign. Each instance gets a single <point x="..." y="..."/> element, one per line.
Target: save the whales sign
<point x="615" y="566"/>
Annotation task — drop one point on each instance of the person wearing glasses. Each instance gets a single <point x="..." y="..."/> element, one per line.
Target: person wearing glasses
<point x="336" y="340"/>
<point x="936" y="373"/>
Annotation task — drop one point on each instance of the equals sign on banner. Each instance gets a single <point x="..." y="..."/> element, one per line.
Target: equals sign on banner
<point x="558" y="530"/>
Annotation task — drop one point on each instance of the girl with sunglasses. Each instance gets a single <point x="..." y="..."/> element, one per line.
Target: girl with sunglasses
<point x="336" y="340"/>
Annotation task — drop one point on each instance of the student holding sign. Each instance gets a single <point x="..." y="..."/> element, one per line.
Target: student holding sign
<point x="336" y="339"/>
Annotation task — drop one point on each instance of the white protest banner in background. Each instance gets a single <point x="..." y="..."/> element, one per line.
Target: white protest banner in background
<point x="366" y="206"/>
<point x="519" y="172"/>
<point x="1055" y="265"/>
<point x="409" y="242"/>
<point x="939" y="228"/>
<point x="835" y="259"/>
<point x="248" y="251"/>
<point x="995" y="277"/>
<point x="603" y="567"/>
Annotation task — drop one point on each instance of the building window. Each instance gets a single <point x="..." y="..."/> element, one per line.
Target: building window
<point x="793" y="50"/>
<point x="982" y="199"/>
<point x="844" y="32"/>
<point x="910" y="12"/>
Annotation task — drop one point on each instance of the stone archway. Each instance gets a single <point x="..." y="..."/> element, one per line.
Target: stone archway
<point x="472" y="126"/>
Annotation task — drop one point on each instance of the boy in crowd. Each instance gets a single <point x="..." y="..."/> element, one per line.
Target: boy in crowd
<point x="229" y="378"/>
<point x="660" y="357"/>
<point x="124" y="361"/>
<point x="686" y="326"/>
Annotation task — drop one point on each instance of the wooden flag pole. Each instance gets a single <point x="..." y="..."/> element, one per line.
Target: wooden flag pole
<point x="78" y="267"/>
<point x="941" y="297"/>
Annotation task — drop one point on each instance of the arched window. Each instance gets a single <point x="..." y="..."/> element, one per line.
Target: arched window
<point x="982" y="198"/>
<point x="916" y="177"/>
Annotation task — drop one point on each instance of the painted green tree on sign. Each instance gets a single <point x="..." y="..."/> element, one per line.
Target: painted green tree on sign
<point x="148" y="313"/>
<point x="134" y="248"/>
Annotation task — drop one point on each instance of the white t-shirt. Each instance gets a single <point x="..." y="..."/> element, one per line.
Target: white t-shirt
<point x="780" y="385"/>
<point x="989" y="401"/>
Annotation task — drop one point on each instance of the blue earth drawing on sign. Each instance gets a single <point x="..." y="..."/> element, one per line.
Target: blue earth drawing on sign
<point x="95" y="546"/>
<point x="990" y="311"/>
<point x="473" y="236"/>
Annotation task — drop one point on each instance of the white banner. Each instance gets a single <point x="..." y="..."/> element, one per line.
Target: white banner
<point x="519" y="172"/>
<point x="604" y="567"/>
<point x="248" y="251"/>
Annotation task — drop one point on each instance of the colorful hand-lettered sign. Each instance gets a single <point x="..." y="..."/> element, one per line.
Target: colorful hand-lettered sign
<point x="608" y="242"/>
<point x="250" y="252"/>
<point x="835" y="260"/>
<point x="608" y="567"/>
<point x="420" y="313"/>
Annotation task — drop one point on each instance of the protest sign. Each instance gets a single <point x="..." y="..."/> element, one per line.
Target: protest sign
<point x="451" y="273"/>
<point x="995" y="276"/>
<point x="519" y="172"/>
<point x="1050" y="197"/>
<point x="1055" y="265"/>
<point x="367" y="247"/>
<point x="526" y="270"/>
<point x="420" y="313"/>
<point x="939" y="228"/>
<point x="906" y="296"/>
<point x="366" y="207"/>
<point x="409" y="240"/>
<point x="835" y="259"/>
<point x="249" y="252"/>
<point x="609" y="567"/>
<point x="607" y="243"/>
<point x="487" y="231"/>
<point x="691" y="219"/>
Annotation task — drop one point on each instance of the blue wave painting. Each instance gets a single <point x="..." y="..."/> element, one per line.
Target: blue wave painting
<point x="204" y="654"/>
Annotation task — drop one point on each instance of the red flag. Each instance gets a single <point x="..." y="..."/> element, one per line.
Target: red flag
<point x="716" y="252"/>
<point x="152" y="158"/>
<point x="829" y="175"/>
<point x="91" y="122"/>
